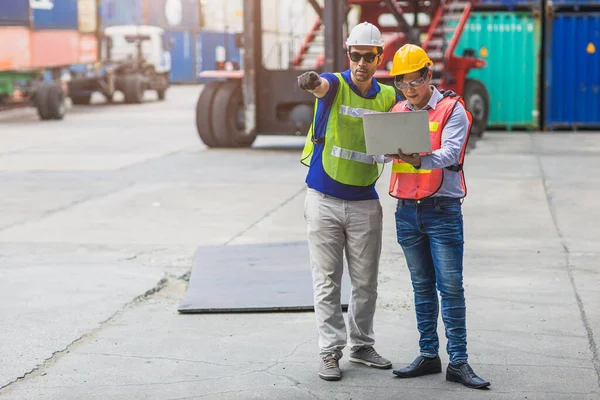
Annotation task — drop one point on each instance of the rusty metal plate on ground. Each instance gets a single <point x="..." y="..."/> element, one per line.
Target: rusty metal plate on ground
<point x="253" y="278"/>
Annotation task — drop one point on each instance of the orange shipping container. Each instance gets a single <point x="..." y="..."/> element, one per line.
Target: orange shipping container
<point x="54" y="48"/>
<point x="15" y="48"/>
<point x="88" y="49"/>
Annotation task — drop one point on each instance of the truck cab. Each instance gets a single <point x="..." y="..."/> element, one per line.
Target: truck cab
<point x="133" y="59"/>
<point x="123" y="43"/>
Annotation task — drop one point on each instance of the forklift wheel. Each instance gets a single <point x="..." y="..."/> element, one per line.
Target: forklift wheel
<point x="134" y="90"/>
<point x="228" y="117"/>
<point x="204" y="109"/>
<point x="50" y="101"/>
<point x="477" y="101"/>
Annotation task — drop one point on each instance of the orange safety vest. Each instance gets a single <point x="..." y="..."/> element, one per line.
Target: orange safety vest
<point x="409" y="183"/>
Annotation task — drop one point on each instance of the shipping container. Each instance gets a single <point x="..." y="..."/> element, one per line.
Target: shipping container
<point x="511" y="4"/>
<point x="574" y="3"/>
<point x="183" y="56"/>
<point x="88" y="48"/>
<point x="215" y="48"/>
<point x="172" y="14"/>
<point x="14" y="12"/>
<point x="87" y="15"/>
<point x="219" y="15"/>
<point x="54" y="48"/>
<point x="121" y="12"/>
<point x="510" y="42"/>
<point x="15" y="48"/>
<point x="572" y="84"/>
<point x="54" y="14"/>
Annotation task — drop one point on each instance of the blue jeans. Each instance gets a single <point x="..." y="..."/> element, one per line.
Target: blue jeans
<point x="431" y="235"/>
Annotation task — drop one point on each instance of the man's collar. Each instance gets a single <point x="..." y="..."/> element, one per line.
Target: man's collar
<point x="435" y="98"/>
<point x="373" y="90"/>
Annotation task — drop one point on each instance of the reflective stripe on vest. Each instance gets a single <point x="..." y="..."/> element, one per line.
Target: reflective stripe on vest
<point x="406" y="182"/>
<point x="354" y="111"/>
<point x="352" y="155"/>
<point x="405" y="168"/>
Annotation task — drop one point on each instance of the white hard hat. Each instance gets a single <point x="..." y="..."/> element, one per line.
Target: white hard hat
<point x="365" y="34"/>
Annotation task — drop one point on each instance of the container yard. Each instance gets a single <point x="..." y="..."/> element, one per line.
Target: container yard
<point x="200" y="36"/>
<point x="181" y="218"/>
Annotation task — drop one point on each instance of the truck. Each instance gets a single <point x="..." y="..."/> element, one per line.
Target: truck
<point x="51" y="50"/>
<point x="29" y="88"/>
<point x="263" y="99"/>
<point x="134" y="59"/>
<point x="31" y="74"/>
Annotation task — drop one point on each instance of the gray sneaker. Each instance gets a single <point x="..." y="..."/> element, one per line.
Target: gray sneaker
<point x="369" y="357"/>
<point x="330" y="369"/>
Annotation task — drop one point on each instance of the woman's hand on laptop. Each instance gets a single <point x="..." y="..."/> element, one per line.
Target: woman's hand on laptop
<point x="413" y="159"/>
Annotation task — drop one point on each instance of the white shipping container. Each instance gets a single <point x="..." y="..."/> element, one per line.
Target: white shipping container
<point x="285" y="25"/>
<point x="221" y="15"/>
<point x="86" y="14"/>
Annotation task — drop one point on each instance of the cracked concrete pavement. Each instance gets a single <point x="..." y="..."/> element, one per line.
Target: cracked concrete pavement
<point x="103" y="211"/>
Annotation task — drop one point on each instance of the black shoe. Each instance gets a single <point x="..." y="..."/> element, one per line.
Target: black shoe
<point x="421" y="366"/>
<point x="464" y="374"/>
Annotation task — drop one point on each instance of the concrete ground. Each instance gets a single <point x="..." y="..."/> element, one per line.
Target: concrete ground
<point x="100" y="215"/>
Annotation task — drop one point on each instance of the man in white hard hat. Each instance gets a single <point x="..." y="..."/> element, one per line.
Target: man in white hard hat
<point x="342" y="208"/>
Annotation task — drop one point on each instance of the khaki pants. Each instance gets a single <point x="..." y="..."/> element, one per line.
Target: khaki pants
<point x="335" y="226"/>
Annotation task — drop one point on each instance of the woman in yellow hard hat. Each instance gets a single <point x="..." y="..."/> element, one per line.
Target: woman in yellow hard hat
<point x="429" y="222"/>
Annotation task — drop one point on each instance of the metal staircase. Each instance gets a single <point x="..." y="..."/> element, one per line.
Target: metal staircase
<point x="313" y="47"/>
<point x="443" y="36"/>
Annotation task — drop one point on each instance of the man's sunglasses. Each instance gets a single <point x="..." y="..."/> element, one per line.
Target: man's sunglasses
<point x="414" y="84"/>
<point x="369" y="57"/>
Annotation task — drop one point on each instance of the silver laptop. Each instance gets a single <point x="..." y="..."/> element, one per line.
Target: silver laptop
<point x="385" y="133"/>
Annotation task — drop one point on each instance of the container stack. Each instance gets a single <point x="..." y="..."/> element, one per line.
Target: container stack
<point x="572" y="64"/>
<point x="507" y="34"/>
<point x="193" y="48"/>
<point x="45" y="34"/>
<point x="215" y="42"/>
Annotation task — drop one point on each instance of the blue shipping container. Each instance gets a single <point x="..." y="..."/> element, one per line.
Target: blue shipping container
<point x="573" y="71"/>
<point x="512" y="3"/>
<point x="172" y="14"/>
<point x="14" y="12"/>
<point x="183" y="57"/>
<point x="213" y="47"/>
<point x="576" y="3"/>
<point x="121" y="12"/>
<point x="54" y="14"/>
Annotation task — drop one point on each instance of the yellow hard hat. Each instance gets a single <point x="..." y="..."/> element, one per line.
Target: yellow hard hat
<point x="409" y="58"/>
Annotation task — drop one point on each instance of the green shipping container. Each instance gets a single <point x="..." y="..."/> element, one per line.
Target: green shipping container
<point x="510" y="42"/>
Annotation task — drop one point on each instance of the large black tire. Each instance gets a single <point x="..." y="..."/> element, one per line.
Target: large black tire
<point x="133" y="89"/>
<point x="228" y="117"/>
<point x="204" y="110"/>
<point x="81" y="100"/>
<point x="162" y="92"/>
<point x="50" y="101"/>
<point x="477" y="101"/>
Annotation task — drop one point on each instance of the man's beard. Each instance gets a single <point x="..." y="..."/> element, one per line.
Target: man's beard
<point x="364" y="77"/>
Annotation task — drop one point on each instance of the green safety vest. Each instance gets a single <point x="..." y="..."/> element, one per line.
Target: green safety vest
<point x="344" y="153"/>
